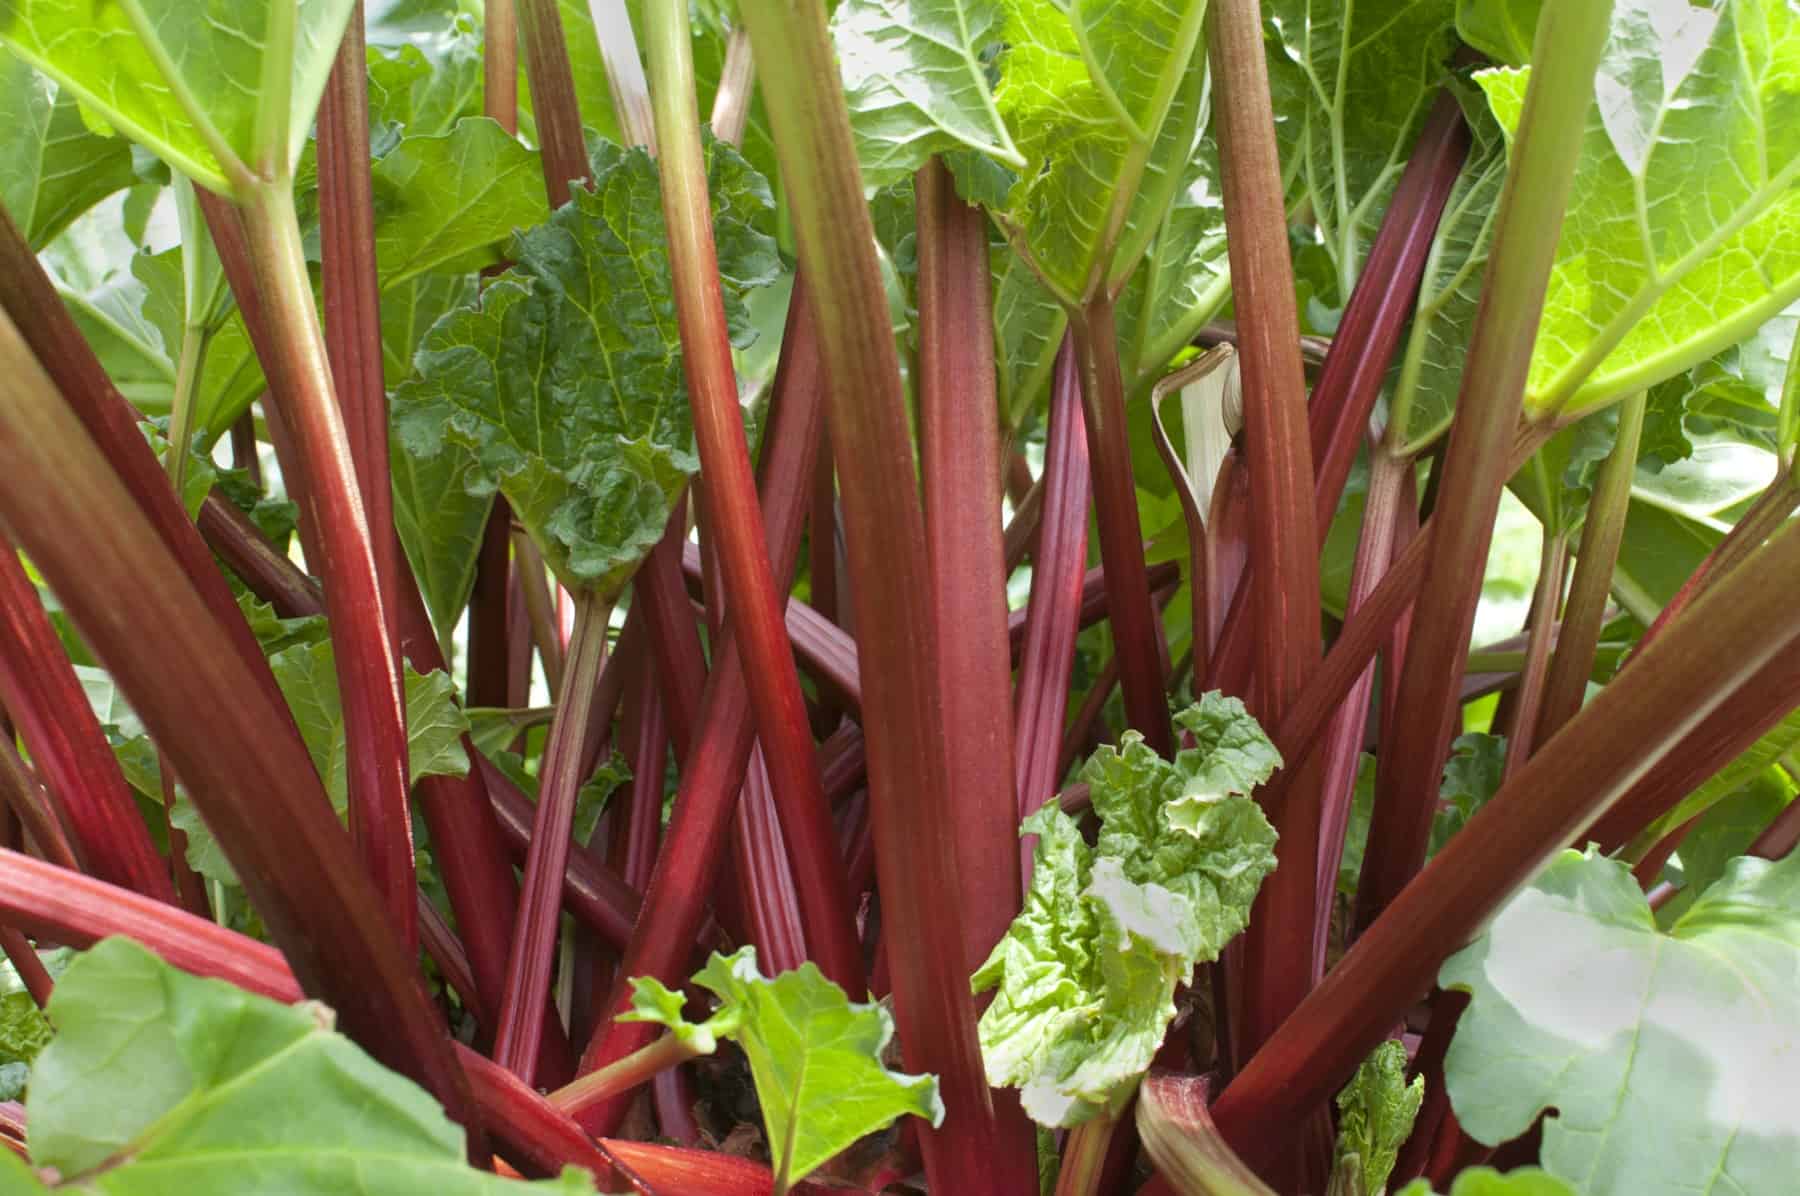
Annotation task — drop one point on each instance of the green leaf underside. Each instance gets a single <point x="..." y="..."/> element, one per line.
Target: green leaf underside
<point x="307" y="676"/>
<point x="1501" y="29"/>
<point x="1682" y="236"/>
<point x="1185" y="279"/>
<point x="1103" y="106"/>
<point x="1357" y="80"/>
<point x="52" y="166"/>
<point x="1579" y="1003"/>
<point x="1375" y="1116"/>
<point x="183" y="77"/>
<point x="203" y="1065"/>
<point x="1087" y="972"/>
<point x="815" y="1056"/>
<point x="565" y="378"/>
<point x="1729" y="826"/>
<point x="916" y="84"/>
<point x="1485" y="1181"/>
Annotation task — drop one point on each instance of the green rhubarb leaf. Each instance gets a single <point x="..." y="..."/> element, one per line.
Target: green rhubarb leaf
<point x="815" y="1057"/>
<point x="1472" y="775"/>
<point x="430" y="81"/>
<point x="1103" y="100"/>
<point x="206" y="1063"/>
<point x="1579" y="1003"/>
<point x="1365" y="75"/>
<point x="1425" y="381"/>
<point x="194" y="81"/>
<point x="1185" y="280"/>
<point x="1501" y="29"/>
<point x="449" y="202"/>
<point x="653" y="1003"/>
<point x="1375" y="1117"/>
<point x="1738" y="392"/>
<point x="1681" y="235"/>
<point x="917" y="84"/>
<point x="565" y="377"/>
<point x="1086" y="974"/>
<point x="1727" y="828"/>
<point x="1231" y="755"/>
<point x="275" y="633"/>
<point x="307" y="676"/>
<point x="231" y="378"/>
<point x="441" y="512"/>
<point x="52" y="166"/>
<point x="1028" y="329"/>
<point x="1485" y="1181"/>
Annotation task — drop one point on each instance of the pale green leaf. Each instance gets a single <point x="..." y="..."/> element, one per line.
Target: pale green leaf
<point x="1472" y="775"/>
<point x="1501" y="29"/>
<point x="656" y="1004"/>
<point x="429" y="82"/>
<point x="1681" y="233"/>
<point x="441" y="512"/>
<point x="204" y="1064"/>
<point x="566" y="379"/>
<point x="1185" y="280"/>
<point x="449" y="202"/>
<point x="1375" y="1116"/>
<point x="1366" y="74"/>
<point x="1028" y="329"/>
<point x="1086" y="974"/>
<point x="52" y="166"/>
<point x="1579" y="1003"/>
<point x="816" y="1060"/>
<point x="1729" y="826"/>
<point x="916" y="82"/>
<point x="1485" y="1181"/>
<point x="186" y="78"/>
<point x="1231" y="755"/>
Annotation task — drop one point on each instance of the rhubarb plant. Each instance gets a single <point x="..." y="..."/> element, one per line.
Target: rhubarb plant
<point x="742" y="430"/>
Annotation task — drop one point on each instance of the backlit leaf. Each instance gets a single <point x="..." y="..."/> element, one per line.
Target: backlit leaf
<point x="52" y="166"/>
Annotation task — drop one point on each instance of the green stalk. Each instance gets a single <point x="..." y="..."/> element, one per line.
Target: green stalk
<point x="735" y="518"/>
<point x="518" y="1035"/>
<point x="909" y="783"/>
<point x="622" y="1075"/>
<point x="1578" y="636"/>
<point x="368" y="667"/>
<point x="1570" y="38"/>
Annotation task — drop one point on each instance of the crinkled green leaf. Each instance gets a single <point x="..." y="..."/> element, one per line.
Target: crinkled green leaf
<point x="1738" y="392"/>
<point x="1375" y="1117"/>
<point x="1681" y="237"/>
<point x="1501" y="29"/>
<point x="815" y="1057"/>
<point x="1366" y="74"/>
<point x="565" y="378"/>
<point x="277" y="634"/>
<point x="448" y="202"/>
<point x="1667" y="1057"/>
<point x="1231" y="756"/>
<point x="1103" y="100"/>
<point x="1472" y="775"/>
<point x="1485" y="1181"/>
<point x="307" y="677"/>
<point x="1425" y="381"/>
<point x="162" y="1082"/>
<point x="184" y="77"/>
<point x="1086" y="974"/>
<point x="52" y="166"/>
<point x="652" y="1002"/>
<point x="916" y="82"/>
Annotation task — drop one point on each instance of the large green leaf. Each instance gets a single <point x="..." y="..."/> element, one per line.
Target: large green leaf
<point x="161" y="1082"/>
<point x="1028" y="328"/>
<point x="1376" y="1110"/>
<point x="1087" y="971"/>
<point x="917" y="84"/>
<point x="1103" y="100"/>
<point x="1185" y="279"/>
<point x="1667" y="1057"/>
<point x="195" y="81"/>
<point x="448" y="202"/>
<point x="1683" y="233"/>
<point x="815" y="1056"/>
<point x="565" y="378"/>
<point x="1729" y="826"/>
<point x="308" y="680"/>
<point x="429" y="82"/>
<point x="24" y="1031"/>
<point x="231" y="377"/>
<point x="1366" y="74"/>
<point x="52" y="166"/>
<point x="1501" y="29"/>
